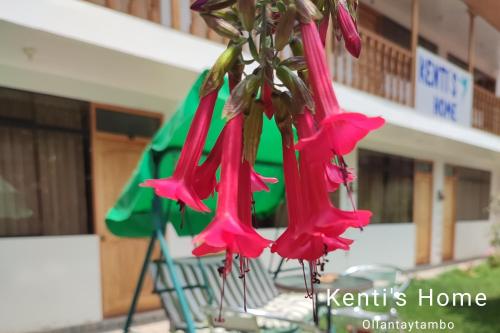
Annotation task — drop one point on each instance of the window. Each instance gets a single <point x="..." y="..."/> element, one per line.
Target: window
<point x="400" y="35"/>
<point x="373" y="20"/>
<point x="385" y="186"/>
<point x="480" y="78"/>
<point x="131" y="125"/>
<point x="44" y="165"/>
<point x="473" y="194"/>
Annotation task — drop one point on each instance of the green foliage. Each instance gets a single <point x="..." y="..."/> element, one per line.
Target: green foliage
<point x="481" y="279"/>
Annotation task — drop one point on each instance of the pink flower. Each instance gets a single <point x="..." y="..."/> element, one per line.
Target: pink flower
<point x="293" y="192"/>
<point x="339" y="133"/>
<point x="320" y="225"/>
<point x="259" y="182"/>
<point x="267" y="99"/>
<point x="325" y="101"/>
<point x="336" y="175"/>
<point x="226" y="231"/>
<point x="323" y="28"/>
<point x="322" y="217"/>
<point x="205" y="176"/>
<point x="180" y="186"/>
<point x="349" y="31"/>
<point x="245" y="194"/>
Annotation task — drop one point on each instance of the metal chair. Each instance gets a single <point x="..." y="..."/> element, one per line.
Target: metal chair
<point x="386" y="279"/>
<point x="201" y="283"/>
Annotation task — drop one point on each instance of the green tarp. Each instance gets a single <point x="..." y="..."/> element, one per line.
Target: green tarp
<point x="132" y="214"/>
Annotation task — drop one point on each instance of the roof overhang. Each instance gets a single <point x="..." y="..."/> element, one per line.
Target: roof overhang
<point x="487" y="9"/>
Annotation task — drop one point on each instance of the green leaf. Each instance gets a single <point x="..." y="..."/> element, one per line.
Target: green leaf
<point x="284" y="28"/>
<point x="252" y="131"/>
<point x="296" y="86"/>
<point x="246" y="10"/>
<point x="241" y="96"/>
<point x="295" y="63"/>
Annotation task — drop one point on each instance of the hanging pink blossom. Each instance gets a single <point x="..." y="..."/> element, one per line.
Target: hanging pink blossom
<point x="181" y="186"/>
<point x="338" y="132"/>
<point x="226" y="231"/>
<point x="349" y="31"/>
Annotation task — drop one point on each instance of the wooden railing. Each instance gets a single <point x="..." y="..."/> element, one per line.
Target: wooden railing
<point x="146" y="9"/>
<point x="383" y="69"/>
<point x="486" y="115"/>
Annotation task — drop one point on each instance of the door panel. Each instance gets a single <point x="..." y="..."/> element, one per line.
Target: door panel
<point x="114" y="159"/>
<point x="422" y="213"/>
<point x="449" y="219"/>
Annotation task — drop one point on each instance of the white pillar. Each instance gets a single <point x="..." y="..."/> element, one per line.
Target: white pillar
<point x="438" y="174"/>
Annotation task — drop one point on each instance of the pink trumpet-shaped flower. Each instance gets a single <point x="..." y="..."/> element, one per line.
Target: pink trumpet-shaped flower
<point x="180" y="186"/>
<point x="245" y="194"/>
<point x="349" y="31"/>
<point x="259" y="182"/>
<point x="317" y="227"/>
<point x="325" y="223"/>
<point x="293" y="192"/>
<point x="323" y="28"/>
<point x="205" y="176"/>
<point x="267" y="99"/>
<point x="336" y="175"/>
<point x="226" y="231"/>
<point x="325" y="101"/>
<point x="339" y="132"/>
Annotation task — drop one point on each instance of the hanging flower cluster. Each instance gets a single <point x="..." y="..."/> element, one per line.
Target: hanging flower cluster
<point x="297" y="90"/>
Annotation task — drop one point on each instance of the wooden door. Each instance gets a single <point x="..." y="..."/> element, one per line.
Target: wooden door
<point x="422" y="211"/>
<point x="449" y="218"/>
<point x="114" y="158"/>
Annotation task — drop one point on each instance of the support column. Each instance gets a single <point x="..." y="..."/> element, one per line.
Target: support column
<point x="472" y="42"/>
<point x="438" y="175"/>
<point x="497" y="92"/>
<point x="415" y="14"/>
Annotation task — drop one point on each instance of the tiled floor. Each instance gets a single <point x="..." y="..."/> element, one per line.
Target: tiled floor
<point x="157" y="327"/>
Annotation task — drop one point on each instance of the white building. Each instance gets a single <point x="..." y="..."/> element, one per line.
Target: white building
<point x="74" y="75"/>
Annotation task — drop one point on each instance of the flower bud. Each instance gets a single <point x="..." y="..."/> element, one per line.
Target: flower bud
<point x="297" y="46"/>
<point x="308" y="11"/>
<point x="222" y="65"/>
<point x="246" y="10"/>
<point x="349" y="31"/>
<point x="207" y="5"/>
<point x="221" y="26"/>
<point x="284" y="28"/>
<point x="300" y="93"/>
<point x="252" y="131"/>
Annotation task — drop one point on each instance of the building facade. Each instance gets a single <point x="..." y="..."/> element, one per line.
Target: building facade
<point x="85" y="84"/>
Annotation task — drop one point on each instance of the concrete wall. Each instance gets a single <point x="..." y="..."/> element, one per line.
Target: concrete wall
<point x="49" y="282"/>
<point x="472" y="239"/>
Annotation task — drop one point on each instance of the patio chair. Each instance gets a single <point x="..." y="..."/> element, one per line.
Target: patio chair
<point x="384" y="278"/>
<point x="267" y="310"/>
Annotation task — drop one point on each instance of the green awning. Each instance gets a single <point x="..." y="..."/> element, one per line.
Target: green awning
<point x="132" y="214"/>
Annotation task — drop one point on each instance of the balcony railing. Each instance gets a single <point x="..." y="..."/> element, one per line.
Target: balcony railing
<point x="486" y="115"/>
<point x="383" y="69"/>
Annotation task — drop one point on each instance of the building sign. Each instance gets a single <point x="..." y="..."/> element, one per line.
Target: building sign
<point x="442" y="89"/>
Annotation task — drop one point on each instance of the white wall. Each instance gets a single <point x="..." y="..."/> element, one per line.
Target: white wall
<point x="392" y="243"/>
<point x="49" y="282"/>
<point x="472" y="239"/>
